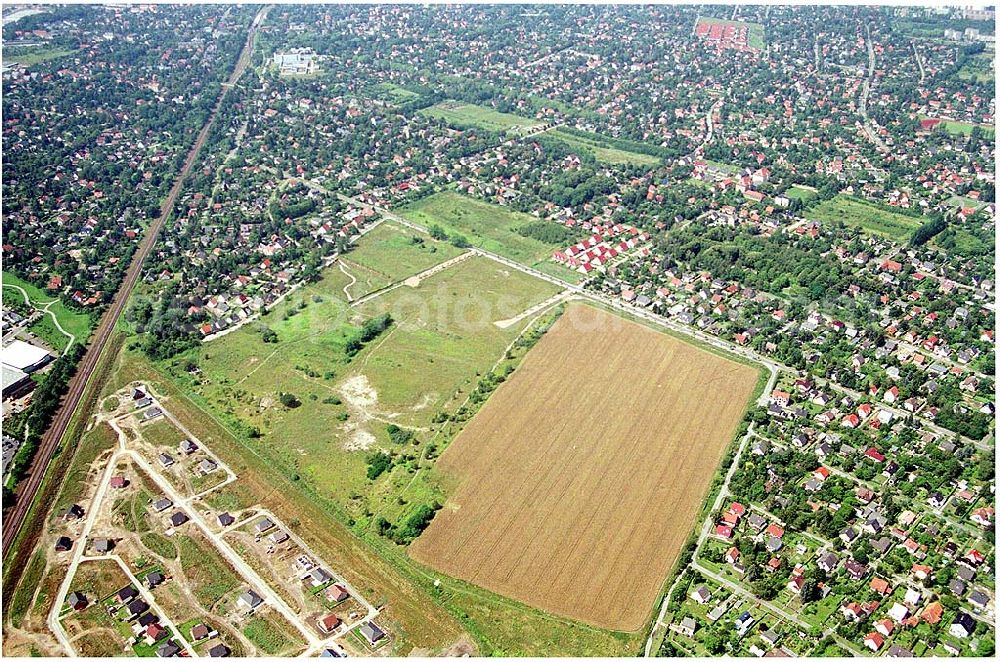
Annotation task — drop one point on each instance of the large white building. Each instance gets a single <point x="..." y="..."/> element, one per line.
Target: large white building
<point x="24" y="356"/>
<point x="296" y="61"/>
<point x="17" y="360"/>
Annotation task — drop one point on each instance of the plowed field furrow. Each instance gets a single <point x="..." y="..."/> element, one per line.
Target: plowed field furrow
<point x="580" y="479"/>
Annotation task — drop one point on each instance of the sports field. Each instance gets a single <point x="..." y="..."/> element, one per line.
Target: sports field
<point x="803" y="193"/>
<point x="956" y="128"/>
<point x="868" y="217"/>
<point x="579" y="481"/>
<point x="29" y="57"/>
<point x="467" y="114"/>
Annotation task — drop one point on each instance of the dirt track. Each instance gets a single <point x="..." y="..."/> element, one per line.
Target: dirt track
<point x="28" y="488"/>
<point x="581" y="478"/>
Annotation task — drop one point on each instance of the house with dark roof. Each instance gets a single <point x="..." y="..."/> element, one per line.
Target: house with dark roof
<point x="828" y="562"/>
<point x="77" y="600"/>
<point x="962" y="626"/>
<point x="136" y="608"/>
<point x="978" y="599"/>
<point x="701" y="595"/>
<point x="249" y="600"/>
<point x="218" y="650"/>
<point x="127" y="593"/>
<point x="168" y="649"/>
<point x="372" y="632"/>
<point x="855" y="570"/>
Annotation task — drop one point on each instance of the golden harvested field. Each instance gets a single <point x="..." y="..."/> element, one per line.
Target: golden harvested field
<point x="580" y="480"/>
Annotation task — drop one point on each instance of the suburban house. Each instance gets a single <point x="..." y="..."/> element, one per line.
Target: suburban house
<point x="249" y="600"/>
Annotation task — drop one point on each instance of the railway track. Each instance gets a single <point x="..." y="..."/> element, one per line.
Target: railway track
<point x="28" y="488"/>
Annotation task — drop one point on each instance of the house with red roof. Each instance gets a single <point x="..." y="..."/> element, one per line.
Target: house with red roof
<point x="875" y="455"/>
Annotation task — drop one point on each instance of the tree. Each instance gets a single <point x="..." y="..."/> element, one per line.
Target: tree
<point x="398" y="435"/>
<point x="378" y="463"/>
<point x="289" y="400"/>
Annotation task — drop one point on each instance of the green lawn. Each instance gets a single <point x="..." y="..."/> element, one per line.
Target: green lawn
<point x="208" y="575"/>
<point x="979" y="68"/>
<point x="426" y="362"/>
<point x="32" y="56"/>
<point x="725" y="167"/>
<point x="467" y="114"/>
<point x="596" y="145"/>
<point x="800" y="193"/>
<point x="391" y="253"/>
<point x="159" y="545"/>
<point x="487" y="226"/>
<point x="270" y="634"/>
<point x="162" y="433"/>
<point x="395" y="93"/>
<point x="868" y="217"/>
<point x="78" y="324"/>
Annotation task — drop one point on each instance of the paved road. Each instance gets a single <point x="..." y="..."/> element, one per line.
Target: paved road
<point x="613" y="302"/>
<point x="189" y="504"/>
<point x="705" y="529"/>
<point x="28" y="488"/>
<point x="80" y="546"/>
<point x="920" y="61"/>
<point x="248" y="574"/>
<point x="420" y="277"/>
<point x="710" y="123"/>
<point x="45" y="311"/>
<point x="865" y="93"/>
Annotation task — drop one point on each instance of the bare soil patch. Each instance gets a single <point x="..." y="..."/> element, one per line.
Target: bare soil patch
<point x="358" y="392"/>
